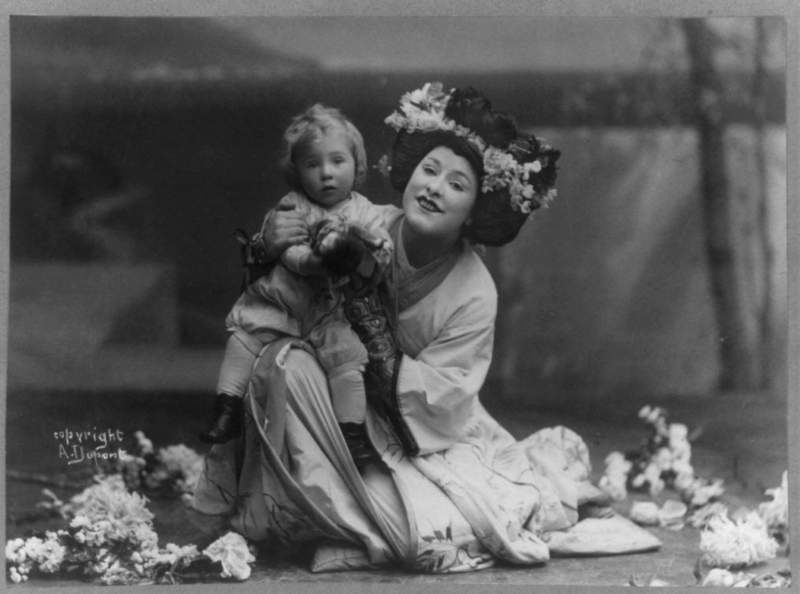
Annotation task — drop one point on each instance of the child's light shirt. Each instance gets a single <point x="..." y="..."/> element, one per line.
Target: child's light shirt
<point x="286" y="302"/>
<point x="356" y="209"/>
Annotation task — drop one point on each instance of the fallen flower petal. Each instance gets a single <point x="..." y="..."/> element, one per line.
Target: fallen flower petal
<point x="644" y="513"/>
<point x="232" y="551"/>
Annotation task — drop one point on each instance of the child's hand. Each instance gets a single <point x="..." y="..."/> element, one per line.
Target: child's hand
<point x="342" y="254"/>
<point x="313" y="265"/>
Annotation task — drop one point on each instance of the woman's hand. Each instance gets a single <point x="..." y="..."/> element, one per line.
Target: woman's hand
<point x="283" y="227"/>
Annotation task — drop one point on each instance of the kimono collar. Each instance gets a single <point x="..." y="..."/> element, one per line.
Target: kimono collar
<point x="408" y="285"/>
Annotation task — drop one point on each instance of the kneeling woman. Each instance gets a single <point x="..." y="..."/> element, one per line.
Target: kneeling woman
<point x="450" y="490"/>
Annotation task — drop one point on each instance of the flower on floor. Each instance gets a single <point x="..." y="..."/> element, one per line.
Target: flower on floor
<point x="718" y="577"/>
<point x="103" y="487"/>
<point x="700" y="491"/>
<point x="669" y="516"/>
<point x="780" y="579"/>
<point x="662" y="461"/>
<point x="776" y="512"/>
<point x="728" y="543"/>
<point x="644" y="513"/>
<point x="143" y="445"/>
<point x="172" y="470"/>
<point x="110" y="536"/>
<point x="615" y="479"/>
<point x="701" y="516"/>
<point x="232" y="551"/>
<point x="183" y="466"/>
<point x="727" y="579"/>
<point x="44" y="554"/>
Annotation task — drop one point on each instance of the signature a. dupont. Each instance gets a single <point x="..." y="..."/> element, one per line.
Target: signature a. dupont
<point x="91" y="445"/>
<point x="77" y="453"/>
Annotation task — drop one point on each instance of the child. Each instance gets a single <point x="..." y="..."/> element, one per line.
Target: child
<point x="324" y="159"/>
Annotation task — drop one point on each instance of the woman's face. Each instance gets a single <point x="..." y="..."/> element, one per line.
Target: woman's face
<point x="438" y="198"/>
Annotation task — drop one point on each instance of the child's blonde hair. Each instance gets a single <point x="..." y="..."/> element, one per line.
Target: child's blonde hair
<point x="312" y="125"/>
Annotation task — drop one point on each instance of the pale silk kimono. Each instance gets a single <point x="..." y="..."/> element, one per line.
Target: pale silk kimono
<point x="468" y="496"/>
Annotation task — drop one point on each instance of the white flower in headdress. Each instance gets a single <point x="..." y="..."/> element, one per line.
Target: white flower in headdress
<point x="535" y="166"/>
<point x="549" y="196"/>
<point x="424" y="109"/>
<point x="419" y="95"/>
<point x="427" y="121"/>
<point x="396" y="121"/>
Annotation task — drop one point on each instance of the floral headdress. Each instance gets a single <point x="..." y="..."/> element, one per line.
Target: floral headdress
<point x="523" y="165"/>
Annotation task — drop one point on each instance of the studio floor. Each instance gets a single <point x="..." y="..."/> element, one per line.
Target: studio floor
<point x="741" y="439"/>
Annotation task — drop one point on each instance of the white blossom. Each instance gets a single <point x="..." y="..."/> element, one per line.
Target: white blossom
<point x="726" y="579"/>
<point x="232" y="551"/>
<point x="145" y="445"/>
<point x="776" y="512"/>
<point x="702" y="515"/>
<point x="727" y="543"/>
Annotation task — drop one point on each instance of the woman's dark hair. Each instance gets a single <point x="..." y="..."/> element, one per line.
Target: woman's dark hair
<point x="493" y="222"/>
<point x="409" y="150"/>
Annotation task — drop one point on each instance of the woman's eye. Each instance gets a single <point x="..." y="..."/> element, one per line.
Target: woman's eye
<point x="429" y="170"/>
<point x="457" y="186"/>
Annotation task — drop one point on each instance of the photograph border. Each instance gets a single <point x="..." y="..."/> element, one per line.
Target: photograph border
<point x="789" y="9"/>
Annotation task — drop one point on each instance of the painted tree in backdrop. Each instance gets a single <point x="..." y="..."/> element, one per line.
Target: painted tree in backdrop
<point x="737" y="226"/>
<point x="725" y="79"/>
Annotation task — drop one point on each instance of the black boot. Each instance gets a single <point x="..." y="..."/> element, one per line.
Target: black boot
<point x="227" y="420"/>
<point x="361" y="450"/>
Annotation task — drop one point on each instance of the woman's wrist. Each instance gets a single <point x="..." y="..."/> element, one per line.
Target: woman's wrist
<point x="265" y="253"/>
<point x="283" y="227"/>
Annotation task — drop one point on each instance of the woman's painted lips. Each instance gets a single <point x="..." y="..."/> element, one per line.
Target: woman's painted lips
<point x="428" y="205"/>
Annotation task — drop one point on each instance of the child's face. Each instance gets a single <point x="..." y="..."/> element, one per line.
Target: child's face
<point x="327" y="168"/>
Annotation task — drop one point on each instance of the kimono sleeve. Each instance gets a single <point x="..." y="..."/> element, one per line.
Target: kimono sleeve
<point x="437" y="389"/>
<point x="374" y="216"/>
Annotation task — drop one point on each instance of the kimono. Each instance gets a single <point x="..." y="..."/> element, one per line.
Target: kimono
<point x="455" y="491"/>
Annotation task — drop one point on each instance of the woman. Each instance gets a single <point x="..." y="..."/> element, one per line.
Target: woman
<point x="450" y="490"/>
